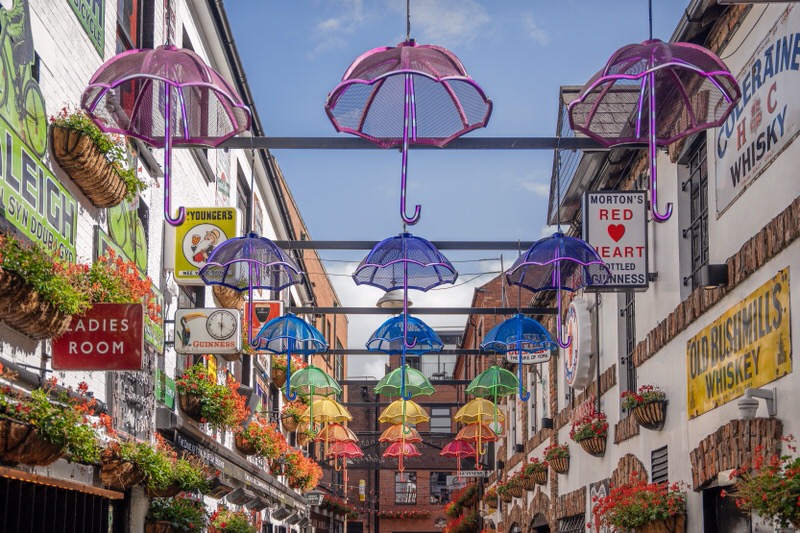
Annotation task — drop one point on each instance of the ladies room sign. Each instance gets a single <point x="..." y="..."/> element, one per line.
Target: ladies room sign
<point x="615" y="224"/>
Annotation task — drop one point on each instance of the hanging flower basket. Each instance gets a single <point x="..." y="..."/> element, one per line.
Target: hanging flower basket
<point x="227" y="297"/>
<point x="19" y="443"/>
<point x="651" y="415"/>
<point x="118" y="474"/>
<point x="77" y="154"/>
<point x="160" y="526"/>
<point x="506" y="497"/>
<point x="540" y="478"/>
<point x="191" y="404"/>
<point x="560" y="465"/>
<point x="23" y="309"/>
<point x="278" y="377"/>
<point x="673" y="524"/>
<point x="244" y="446"/>
<point x="289" y="422"/>
<point x="595" y="446"/>
<point x="167" y="492"/>
<point x="528" y="483"/>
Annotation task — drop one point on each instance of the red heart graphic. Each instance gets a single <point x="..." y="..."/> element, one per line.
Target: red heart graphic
<point x="616" y="231"/>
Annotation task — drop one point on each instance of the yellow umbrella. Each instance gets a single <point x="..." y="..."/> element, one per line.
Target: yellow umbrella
<point x="326" y="411"/>
<point x="482" y="411"/>
<point x="403" y="412"/>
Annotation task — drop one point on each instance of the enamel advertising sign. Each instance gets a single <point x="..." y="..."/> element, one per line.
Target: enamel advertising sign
<point x="212" y="330"/>
<point x="196" y="238"/>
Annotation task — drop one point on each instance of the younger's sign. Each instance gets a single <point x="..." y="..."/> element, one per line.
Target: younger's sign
<point x="196" y="238"/>
<point x="106" y="337"/>
<point x="615" y="224"/>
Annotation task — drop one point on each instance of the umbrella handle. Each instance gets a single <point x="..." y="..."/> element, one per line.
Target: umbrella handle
<point x="167" y="160"/>
<point x="523" y="394"/>
<point x="562" y="343"/>
<point x="289" y="394"/>
<point x="408" y="116"/>
<point x="657" y="216"/>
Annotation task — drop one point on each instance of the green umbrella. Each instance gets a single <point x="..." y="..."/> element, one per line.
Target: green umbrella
<point x="313" y="381"/>
<point x="495" y="382"/>
<point x="416" y="383"/>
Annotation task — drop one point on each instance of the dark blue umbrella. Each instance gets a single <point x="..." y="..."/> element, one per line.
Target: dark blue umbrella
<point x="558" y="263"/>
<point x="523" y="335"/>
<point x="250" y="262"/>
<point x="290" y="334"/>
<point x="389" y="337"/>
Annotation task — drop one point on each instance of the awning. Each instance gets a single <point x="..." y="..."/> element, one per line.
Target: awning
<point x="21" y="475"/>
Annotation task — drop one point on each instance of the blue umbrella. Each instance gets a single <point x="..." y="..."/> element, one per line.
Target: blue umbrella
<point x="558" y="263"/>
<point x="250" y="262"/>
<point x="523" y="335"/>
<point x="389" y="337"/>
<point x="290" y="334"/>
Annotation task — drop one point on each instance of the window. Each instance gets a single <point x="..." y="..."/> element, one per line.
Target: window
<point x="572" y="524"/>
<point x="440" y="420"/>
<point x="243" y="199"/>
<point x="440" y="491"/>
<point x="405" y="487"/>
<point x="438" y="366"/>
<point x="128" y="24"/>
<point x="627" y="372"/>
<point x="696" y="187"/>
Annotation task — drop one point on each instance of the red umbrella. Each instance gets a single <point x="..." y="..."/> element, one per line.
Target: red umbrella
<point x="343" y="450"/>
<point x="401" y="449"/>
<point x="458" y="449"/>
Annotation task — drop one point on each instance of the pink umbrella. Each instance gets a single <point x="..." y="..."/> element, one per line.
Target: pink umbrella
<point x="401" y="449"/>
<point x="459" y="449"/>
<point x="343" y="450"/>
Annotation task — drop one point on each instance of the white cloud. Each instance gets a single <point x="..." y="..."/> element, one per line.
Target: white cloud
<point x="347" y="17"/>
<point x="445" y="22"/>
<point x="537" y="188"/>
<point x="534" y="31"/>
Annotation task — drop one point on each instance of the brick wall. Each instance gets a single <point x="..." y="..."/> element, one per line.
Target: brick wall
<point x="628" y="466"/>
<point x="571" y="504"/>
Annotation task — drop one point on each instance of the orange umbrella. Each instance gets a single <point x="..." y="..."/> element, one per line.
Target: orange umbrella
<point x="399" y="432"/>
<point x="478" y="434"/>
<point x="334" y="432"/>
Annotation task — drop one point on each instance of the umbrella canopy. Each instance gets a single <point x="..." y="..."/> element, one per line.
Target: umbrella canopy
<point x="398" y="432"/>
<point x="521" y="335"/>
<point x="403" y="412"/>
<point x="390" y="336"/>
<point x="401" y="449"/>
<point x="479" y="410"/>
<point x="408" y="379"/>
<point x="408" y="94"/>
<point x="687" y="85"/>
<point x="313" y="381"/>
<point x="479" y="434"/>
<point x="558" y="263"/>
<point x="348" y="450"/>
<point x="333" y="433"/>
<point x="326" y="411"/>
<point x="459" y="449"/>
<point x="290" y="334"/>
<point x="166" y="97"/>
<point x="494" y="382"/>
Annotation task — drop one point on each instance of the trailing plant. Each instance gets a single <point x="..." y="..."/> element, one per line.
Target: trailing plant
<point x="186" y="515"/>
<point x="223" y="520"/>
<point x="279" y="363"/>
<point x="591" y="425"/>
<point x="533" y="466"/>
<point x="636" y="503"/>
<point x="221" y="406"/>
<point x="189" y="472"/>
<point x="556" y="451"/>
<point x="112" y="146"/>
<point x="110" y="279"/>
<point x="153" y="462"/>
<point x="265" y="437"/>
<point x="294" y="409"/>
<point x="646" y="394"/>
<point x="771" y="486"/>
<point x="303" y="472"/>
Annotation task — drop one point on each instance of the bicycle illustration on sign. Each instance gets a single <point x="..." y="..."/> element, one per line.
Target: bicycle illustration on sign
<point x="21" y="102"/>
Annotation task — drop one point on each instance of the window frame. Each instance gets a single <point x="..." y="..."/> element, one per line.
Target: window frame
<point x="403" y="496"/>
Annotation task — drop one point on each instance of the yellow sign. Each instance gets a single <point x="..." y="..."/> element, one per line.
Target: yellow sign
<point x="747" y="346"/>
<point x="196" y="238"/>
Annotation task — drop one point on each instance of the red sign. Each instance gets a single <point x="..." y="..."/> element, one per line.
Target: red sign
<point x="262" y="312"/>
<point x="106" y="337"/>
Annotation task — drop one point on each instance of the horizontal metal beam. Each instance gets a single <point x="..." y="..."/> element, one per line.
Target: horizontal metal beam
<point x="299" y="310"/>
<point x="463" y="143"/>
<point x="368" y="245"/>
<point x="364" y="351"/>
<point x="360" y="382"/>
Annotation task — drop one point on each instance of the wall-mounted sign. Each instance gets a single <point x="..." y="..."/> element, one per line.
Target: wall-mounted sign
<point x="615" y="224"/>
<point x="767" y="118"/>
<point x="106" y="337"/>
<point x="92" y="16"/>
<point x="746" y="347"/>
<point x="165" y="389"/>
<point x="263" y="312"/>
<point x="133" y="402"/>
<point x="475" y="473"/>
<point x="578" y="356"/>
<point x="196" y="238"/>
<point x="213" y="330"/>
<point x="530" y="354"/>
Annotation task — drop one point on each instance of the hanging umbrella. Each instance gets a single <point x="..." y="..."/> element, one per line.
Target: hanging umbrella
<point x="558" y="263"/>
<point x="333" y="433"/>
<point x="459" y="449"/>
<point x="343" y="451"/>
<point x="478" y="434"/>
<point x="166" y="97"/>
<point x="398" y="432"/>
<point x="405" y="261"/>
<point x="389" y="337"/>
<point x="313" y="381"/>
<point x="520" y="335"/>
<point x="408" y="379"/>
<point x="690" y="86"/>
<point x="482" y="411"/>
<point x="290" y="334"/>
<point x="325" y="411"/>
<point x="408" y="94"/>
<point x="401" y="449"/>
<point x="494" y="382"/>
<point x="403" y="412"/>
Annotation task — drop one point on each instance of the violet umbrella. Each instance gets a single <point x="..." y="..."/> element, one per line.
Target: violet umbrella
<point x="692" y="86"/>
<point x="558" y="263"/>
<point x="459" y="449"/>
<point x="405" y="261"/>
<point x="167" y="97"/>
<point x="407" y="94"/>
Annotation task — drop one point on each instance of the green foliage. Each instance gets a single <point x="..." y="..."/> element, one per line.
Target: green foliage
<point x="184" y="514"/>
<point x="154" y="463"/>
<point x="636" y="503"/>
<point x="221" y="406"/>
<point x="226" y="521"/>
<point x="191" y="475"/>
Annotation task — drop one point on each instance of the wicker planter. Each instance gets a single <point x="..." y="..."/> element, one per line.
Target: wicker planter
<point x="243" y="446"/>
<point x="191" y="406"/>
<point x="506" y="497"/>
<point x="231" y="356"/>
<point x="166" y="492"/>
<point x="278" y="377"/>
<point x="651" y="415"/>
<point x="673" y="524"/>
<point x="76" y="153"/>
<point x="289" y="423"/>
<point x="19" y="443"/>
<point x="303" y="439"/>
<point x="517" y="491"/>
<point x="560" y="465"/>
<point x="491" y="504"/>
<point x="120" y="475"/>
<point x="528" y="483"/>
<point x="594" y="446"/>
<point x="227" y="297"/>
<point x="159" y="527"/>
<point x="540" y="477"/>
<point x="23" y="309"/>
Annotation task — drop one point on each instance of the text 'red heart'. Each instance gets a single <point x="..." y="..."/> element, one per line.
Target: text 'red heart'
<point x="616" y="231"/>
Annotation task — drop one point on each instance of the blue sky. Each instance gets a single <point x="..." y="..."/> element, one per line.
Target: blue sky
<point x="519" y="52"/>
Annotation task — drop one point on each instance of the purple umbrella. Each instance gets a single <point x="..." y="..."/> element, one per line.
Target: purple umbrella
<point x="146" y="93"/>
<point x="408" y="94"/>
<point x="618" y="105"/>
